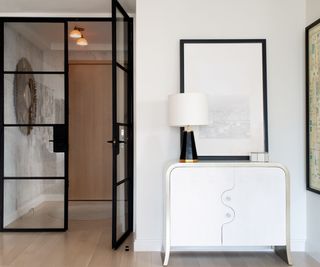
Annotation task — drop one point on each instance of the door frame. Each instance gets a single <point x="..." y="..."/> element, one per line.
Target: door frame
<point x="64" y="20"/>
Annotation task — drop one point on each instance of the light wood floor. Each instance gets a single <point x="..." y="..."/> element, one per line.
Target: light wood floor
<point x="48" y="214"/>
<point x="88" y="243"/>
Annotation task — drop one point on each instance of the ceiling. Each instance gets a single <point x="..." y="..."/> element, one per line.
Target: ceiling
<point x="63" y="6"/>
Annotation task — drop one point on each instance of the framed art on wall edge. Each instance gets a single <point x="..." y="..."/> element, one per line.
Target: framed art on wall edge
<point x="232" y="73"/>
<point x="312" y="107"/>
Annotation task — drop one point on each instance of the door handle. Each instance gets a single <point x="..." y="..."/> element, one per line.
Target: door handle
<point x="114" y="141"/>
<point x="59" y="138"/>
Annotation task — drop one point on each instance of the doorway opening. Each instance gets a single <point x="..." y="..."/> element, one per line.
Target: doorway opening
<point x="90" y="123"/>
<point x="58" y="153"/>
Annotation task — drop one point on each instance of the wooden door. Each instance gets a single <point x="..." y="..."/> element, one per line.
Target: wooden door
<point x="90" y="113"/>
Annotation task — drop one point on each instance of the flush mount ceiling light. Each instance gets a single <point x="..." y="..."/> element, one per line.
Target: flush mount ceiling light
<point x="76" y="32"/>
<point x="82" y="41"/>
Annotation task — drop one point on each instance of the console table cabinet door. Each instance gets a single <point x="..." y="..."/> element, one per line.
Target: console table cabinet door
<point x="197" y="212"/>
<point x="259" y="203"/>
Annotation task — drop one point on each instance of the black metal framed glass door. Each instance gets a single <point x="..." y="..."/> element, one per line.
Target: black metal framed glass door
<point x="34" y="124"/>
<point x="122" y="105"/>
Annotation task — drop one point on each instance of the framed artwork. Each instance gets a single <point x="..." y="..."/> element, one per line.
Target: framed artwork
<point x="232" y="73"/>
<point x="313" y="106"/>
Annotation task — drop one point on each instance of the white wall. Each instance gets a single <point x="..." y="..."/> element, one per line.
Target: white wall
<point x="159" y="26"/>
<point x="313" y="200"/>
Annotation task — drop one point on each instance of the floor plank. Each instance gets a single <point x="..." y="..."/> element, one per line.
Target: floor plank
<point x="88" y="244"/>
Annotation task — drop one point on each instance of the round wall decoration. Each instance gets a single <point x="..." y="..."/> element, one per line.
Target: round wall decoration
<point x="25" y="96"/>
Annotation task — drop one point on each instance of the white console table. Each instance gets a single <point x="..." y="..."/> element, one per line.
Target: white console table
<point x="225" y="205"/>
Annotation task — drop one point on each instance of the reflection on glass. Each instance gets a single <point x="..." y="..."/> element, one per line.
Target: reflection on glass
<point x="98" y="35"/>
<point x="122" y="97"/>
<point x="122" y="209"/>
<point x="31" y="41"/>
<point x="122" y="40"/>
<point x="122" y="168"/>
<point x="33" y="204"/>
<point x="32" y="154"/>
<point x="45" y="93"/>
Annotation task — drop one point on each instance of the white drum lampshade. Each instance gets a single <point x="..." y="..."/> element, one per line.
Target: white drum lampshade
<point x="185" y="110"/>
<point x="188" y="109"/>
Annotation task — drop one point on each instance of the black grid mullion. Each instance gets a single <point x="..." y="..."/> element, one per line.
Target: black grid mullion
<point x="33" y="125"/>
<point x="53" y="19"/>
<point x="34" y="72"/>
<point x="122" y="67"/>
<point x="123" y="181"/>
<point x="66" y="123"/>
<point x="33" y="178"/>
<point x="1" y="121"/>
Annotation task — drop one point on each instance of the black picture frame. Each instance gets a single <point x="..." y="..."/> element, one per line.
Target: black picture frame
<point x="184" y="42"/>
<point x="309" y="97"/>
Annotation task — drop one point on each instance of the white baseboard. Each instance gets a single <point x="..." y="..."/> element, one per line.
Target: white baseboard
<point x="9" y="218"/>
<point x="220" y="248"/>
<point x="156" y="245"/>
<point x="147" y="245"/>
<point x="313" y="250"/>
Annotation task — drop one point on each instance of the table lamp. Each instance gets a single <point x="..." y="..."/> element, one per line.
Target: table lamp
<point x="186" y="110"/>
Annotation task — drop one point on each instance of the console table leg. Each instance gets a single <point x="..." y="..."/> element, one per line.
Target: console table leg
<point x="166" y="256"/>
<point x="284" y="253"/>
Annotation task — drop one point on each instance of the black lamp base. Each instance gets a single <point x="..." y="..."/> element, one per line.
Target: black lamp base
<point x="188" y="148"/>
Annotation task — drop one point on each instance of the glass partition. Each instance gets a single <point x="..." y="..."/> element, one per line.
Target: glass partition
<point x="33" y="204"/>
<point x="34" y="140"/>
<point x="40" y="43"/>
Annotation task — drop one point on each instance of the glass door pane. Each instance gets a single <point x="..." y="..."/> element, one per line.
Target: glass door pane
<point x="122" y="210"/>
<point x="122" y="97"/>
<point x="33" y="204"/>
<point x="122" y="124"/>
<point x="41" y="44"/>
<point x="122" y="38"/>
<point x="31" y="155"/>
<point x="43" y="93"/>
<point x="34" y="140"/>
